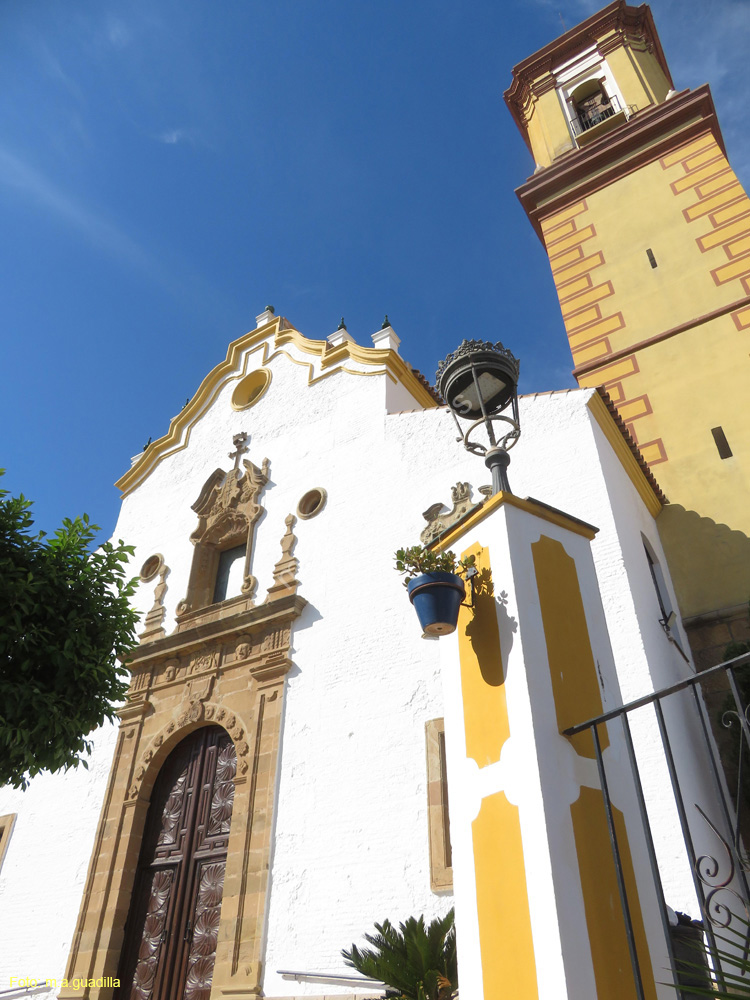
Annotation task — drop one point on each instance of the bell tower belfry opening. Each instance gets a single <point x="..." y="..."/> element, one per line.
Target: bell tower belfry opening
<point x="583" y="85"/>
<point x="647" y="230"/>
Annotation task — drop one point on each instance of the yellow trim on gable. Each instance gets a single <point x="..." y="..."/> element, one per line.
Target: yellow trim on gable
<point x="623" y="452"/>
<point x="349" y="351"/>
<point x="178" y="435"/>
<point x="491" y="504"/>
<point x="310" y="368"/>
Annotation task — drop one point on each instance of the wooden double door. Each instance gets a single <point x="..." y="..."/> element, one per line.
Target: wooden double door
<point x="173" y="924"/>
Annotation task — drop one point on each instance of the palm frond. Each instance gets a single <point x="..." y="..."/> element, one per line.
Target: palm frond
<point x="417" y="960"/>
<point x="723" y="974"/>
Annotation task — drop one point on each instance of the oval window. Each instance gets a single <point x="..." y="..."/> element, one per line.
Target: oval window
<point x="151" y="567"/>
<point x="312" y="503"/>
<point x="249" y="389"/>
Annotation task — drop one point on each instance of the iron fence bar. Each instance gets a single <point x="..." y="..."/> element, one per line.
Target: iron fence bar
<point x="647" y="699"/>
<point x="715" y="765"/>
<point x="738" y="703"/>
<point x="738" y="805"/>
<point x="618" y="868"/>
<point x="688" y="838"/>
<point x="645" y="824"/>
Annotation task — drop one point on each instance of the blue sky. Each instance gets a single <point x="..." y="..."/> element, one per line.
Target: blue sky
<point x="169" y="167"/>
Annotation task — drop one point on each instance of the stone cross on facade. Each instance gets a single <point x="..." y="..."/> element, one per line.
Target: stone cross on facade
<point x="240" y="448"/>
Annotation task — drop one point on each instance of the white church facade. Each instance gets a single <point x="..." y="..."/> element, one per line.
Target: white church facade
<point x="296" y="760"/>
<point x="306" y="676"/>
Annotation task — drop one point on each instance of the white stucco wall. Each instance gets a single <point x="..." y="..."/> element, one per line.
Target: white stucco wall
<point x="42" y="877"/>
<point x="351" y="820"/>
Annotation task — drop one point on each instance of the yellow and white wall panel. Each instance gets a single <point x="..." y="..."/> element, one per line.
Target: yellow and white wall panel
<point x="536" y="894"/>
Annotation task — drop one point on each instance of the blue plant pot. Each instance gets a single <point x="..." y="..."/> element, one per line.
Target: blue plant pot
<point x="436" y="598"/>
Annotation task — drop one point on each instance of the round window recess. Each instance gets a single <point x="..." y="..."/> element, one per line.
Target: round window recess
<point x="151" y="567"/>
<point x="249" y="389"/>
<point x="312" y="503"/>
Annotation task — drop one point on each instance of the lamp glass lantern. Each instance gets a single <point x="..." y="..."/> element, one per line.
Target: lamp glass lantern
<point x="479" y="382"/>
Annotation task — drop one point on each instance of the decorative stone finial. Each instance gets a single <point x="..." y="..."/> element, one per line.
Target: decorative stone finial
<point x="155" y="618"/>
<point x="285" y="571"/>
<point x="439" y="520"/>
<point x="340" y="335"/>
<point x="265" y="317"/>
<point x="386" y="338"/>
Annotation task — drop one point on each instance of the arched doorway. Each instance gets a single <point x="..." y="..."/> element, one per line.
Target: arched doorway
<point x="173" y="924"/>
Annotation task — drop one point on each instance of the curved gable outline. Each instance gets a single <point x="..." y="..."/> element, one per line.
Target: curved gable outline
<point x="330" y="360"/>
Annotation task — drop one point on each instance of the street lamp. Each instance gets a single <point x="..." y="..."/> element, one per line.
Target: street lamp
<point x="478" y="381"/>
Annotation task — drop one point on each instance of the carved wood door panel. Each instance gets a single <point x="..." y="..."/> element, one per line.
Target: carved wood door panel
<point x="173" y="925"/>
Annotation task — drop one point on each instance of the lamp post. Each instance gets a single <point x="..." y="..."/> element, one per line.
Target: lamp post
<point x="478" y="381"/>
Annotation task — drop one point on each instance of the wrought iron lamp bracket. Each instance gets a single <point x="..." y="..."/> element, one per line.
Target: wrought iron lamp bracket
<point x="505" y="443"/>
<point x="471" y="572"/>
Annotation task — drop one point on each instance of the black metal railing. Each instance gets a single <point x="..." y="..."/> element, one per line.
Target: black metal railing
<point x="585" y="120"/>
<point x="707" y="718"/>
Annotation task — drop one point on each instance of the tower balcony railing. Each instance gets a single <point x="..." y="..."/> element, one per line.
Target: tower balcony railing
<point x="585" y="124"/>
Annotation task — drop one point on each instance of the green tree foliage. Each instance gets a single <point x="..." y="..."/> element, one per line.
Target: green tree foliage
<point x="417" y="961"/>
<point x="65" y="618"/>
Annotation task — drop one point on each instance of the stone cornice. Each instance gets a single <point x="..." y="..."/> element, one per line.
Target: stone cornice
<point x="248" y="622"/>
<point x="532" y="506"/>
<point x="647" y="136"/>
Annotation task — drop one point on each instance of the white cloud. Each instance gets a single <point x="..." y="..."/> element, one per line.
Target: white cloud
<point x="174" y="135"/>
<point x="53" y="68"/>
<point x="31" y="183"/>
<point x="118" y="33"/>
<point x="709" y="44"/>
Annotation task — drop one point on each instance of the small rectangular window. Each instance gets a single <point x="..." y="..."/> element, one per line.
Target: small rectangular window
<point x="6" y="828"/>
<point x="721" y="442"/>
<point x="441" y="860"/>
<point x="231" y="565"/>
<point x="660" y="586"/>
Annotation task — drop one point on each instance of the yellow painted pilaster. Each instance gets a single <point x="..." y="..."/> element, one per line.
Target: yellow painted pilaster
<point x="502" y="902"/>
<point x="575" y="685"/>
<point x="482" y="673"/>
<point x="502" y="894"/>
<point x="606" y="924"/>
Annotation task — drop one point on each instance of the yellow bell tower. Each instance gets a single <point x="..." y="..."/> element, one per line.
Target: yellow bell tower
<point x="647" y="230"/>
<point x="648" y="235"/>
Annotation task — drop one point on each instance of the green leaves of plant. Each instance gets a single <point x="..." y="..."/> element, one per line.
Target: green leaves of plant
<point x="418" y="961"/>
<point x="417" y="560"/>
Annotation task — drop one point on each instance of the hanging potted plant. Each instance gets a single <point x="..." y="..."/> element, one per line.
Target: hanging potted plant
<point x="434" y="586"/>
